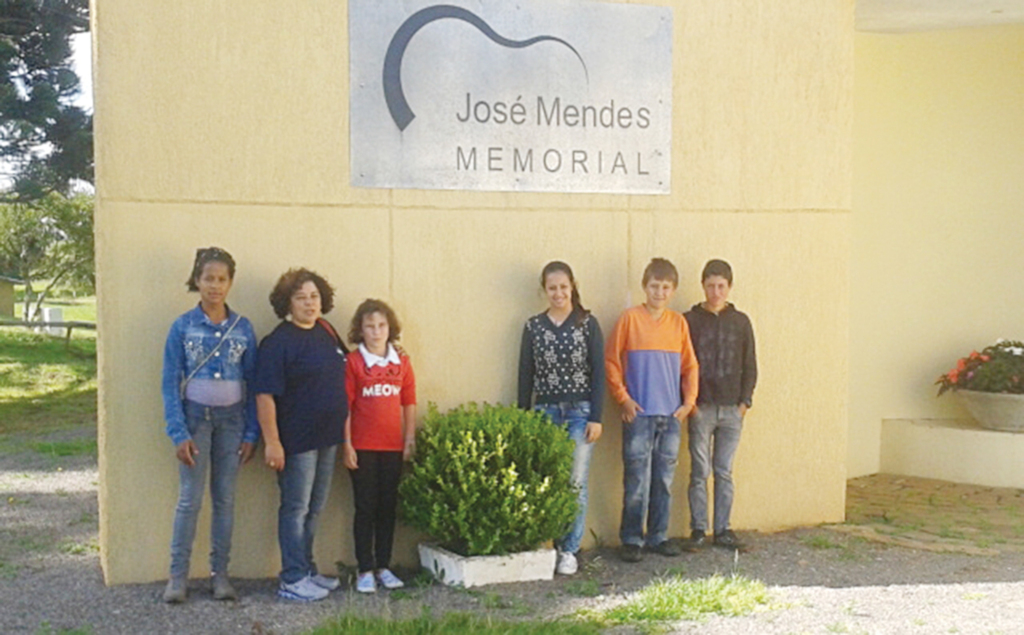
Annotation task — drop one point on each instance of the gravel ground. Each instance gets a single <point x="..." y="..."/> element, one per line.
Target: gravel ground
<point x="820" y="581"/>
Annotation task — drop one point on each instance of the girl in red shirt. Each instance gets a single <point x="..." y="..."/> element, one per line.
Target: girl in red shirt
<point x="380" y="434"/>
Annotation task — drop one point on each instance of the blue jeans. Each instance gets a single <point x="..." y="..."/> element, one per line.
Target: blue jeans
<point x="650" y="450"/>
<point x="217" y="434"/>
<point x="305" y="482"/>
<point x="573" y="417"/>
<point x="714" y="437"/>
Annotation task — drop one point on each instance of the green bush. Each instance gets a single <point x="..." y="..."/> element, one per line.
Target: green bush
<point x="490" y="480"/>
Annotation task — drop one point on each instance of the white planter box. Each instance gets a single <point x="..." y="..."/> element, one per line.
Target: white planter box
<point x="455" y="570"/>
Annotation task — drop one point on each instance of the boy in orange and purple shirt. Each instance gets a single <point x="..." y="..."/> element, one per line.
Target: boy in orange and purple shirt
<point x="652" y="373"/>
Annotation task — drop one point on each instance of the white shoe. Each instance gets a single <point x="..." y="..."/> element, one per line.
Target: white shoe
<point x="305" y="590"/>
<point x="365" y="583"/>
<point x="325" y="582"/>
<point x="389" y="580"/>
<point x="567" y="564"/>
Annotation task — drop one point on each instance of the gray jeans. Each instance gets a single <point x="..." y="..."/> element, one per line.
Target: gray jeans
<point x="714" y="437"/>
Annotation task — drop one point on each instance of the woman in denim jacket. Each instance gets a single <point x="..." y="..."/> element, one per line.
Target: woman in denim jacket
<point x="210" y="408"/>
<point x="561" y="373"/>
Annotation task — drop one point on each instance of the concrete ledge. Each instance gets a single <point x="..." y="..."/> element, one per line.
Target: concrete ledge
<point x="952" y="450"/>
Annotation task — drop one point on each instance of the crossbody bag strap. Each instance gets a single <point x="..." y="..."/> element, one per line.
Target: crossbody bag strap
<point x="330" y="329"/>
<point x="208" y="357"/>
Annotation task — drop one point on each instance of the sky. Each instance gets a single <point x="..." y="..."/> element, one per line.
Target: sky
<point x="81" y="44"/>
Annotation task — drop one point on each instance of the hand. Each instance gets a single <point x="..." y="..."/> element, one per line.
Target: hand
<point x="630" y="410"/>
<point x="273" y="456"/>
<point x="349" y="456"/>
<point x="185" y="451"/>
<point x="743" y="410"/>
<point x="246" y="451"/>
<point x="593" y="432"/>
<point x="683" y="412"/>
<point x="409" y="450"/>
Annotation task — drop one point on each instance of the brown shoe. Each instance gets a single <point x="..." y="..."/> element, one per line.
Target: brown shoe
<point x="667" y="548"/>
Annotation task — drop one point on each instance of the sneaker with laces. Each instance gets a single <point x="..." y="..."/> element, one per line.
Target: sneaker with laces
<point x="304" y="590"/>
<point x="325" y="582"/>
<point x="365" y="583"/>
<point x="667" y="548"/>
<point x="728" y="540"/>
<point x="696" y="542"/>
<point x="567" y="564"/>
<point x="389" y="580"/>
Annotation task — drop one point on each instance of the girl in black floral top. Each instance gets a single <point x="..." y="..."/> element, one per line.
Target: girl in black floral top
<point x="561" y="373"/>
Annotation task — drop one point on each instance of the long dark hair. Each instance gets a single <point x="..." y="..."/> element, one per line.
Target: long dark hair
<point x="556" y="266"/>
<point x="205" y="256"/>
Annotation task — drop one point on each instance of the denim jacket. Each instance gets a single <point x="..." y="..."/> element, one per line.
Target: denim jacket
<point x="191" y="339"/>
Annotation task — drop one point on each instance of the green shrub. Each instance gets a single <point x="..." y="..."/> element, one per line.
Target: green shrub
<point x="490" y="480"/>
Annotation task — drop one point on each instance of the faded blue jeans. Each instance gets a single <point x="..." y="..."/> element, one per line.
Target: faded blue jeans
<point x="217" y="433"/>
<point x="573" y="417"/>
<point x="305" y="483"/>
<point x="714" y="437"/>
<point x="650" y="451"/>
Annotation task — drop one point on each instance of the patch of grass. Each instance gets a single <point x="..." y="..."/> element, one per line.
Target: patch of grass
<point x="43" y="385"/>
<point x="423" y="578"/>
<point x="78" y="548"/>
<point x="77" y="447"/>
<point x="583" y="588"/>
<point x="675" y="599"/>
<point x="8" y="571"/>
<point x="451" y="624"/>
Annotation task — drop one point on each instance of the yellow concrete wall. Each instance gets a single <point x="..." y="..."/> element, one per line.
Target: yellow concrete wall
<point x="938" y="201"/>
<point x="226" y="123"/>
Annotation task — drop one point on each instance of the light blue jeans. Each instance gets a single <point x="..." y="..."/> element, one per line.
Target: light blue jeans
<point x="305" y="483"/>
<point x="217" y="434"/>
<point x="650" y="451"/>
<point x="573" y="417"/>
<point x="714" y="437"/>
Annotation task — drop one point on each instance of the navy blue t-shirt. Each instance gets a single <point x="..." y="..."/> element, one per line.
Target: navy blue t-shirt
<point x="304" y="369"/>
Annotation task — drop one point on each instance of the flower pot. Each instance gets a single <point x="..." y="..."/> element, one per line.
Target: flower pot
<point x="994" y="410"/>
<point x="455" y="570"/>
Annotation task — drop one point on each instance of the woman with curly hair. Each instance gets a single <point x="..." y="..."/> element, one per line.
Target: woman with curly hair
<point x="302" y="407"/>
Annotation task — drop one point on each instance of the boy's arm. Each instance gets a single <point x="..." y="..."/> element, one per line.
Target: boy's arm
<point x="749" y="368"/>
<point x="613" y="368"/>
<point x="689" y="371"/>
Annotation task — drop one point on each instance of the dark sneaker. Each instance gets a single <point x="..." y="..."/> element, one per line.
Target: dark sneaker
<point x="728" y="540"/>
<point x="668" y="548"/>
<point x="631" y="553"/>
<point x="696" y="542"/>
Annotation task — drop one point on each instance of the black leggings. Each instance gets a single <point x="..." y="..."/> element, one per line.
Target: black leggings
<point x="375" y="489"/>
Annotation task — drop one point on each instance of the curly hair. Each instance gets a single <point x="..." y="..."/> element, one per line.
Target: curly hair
<point x="204" y="256"/>
<point x="368" y="307"/>
<point x="290" y="282"/>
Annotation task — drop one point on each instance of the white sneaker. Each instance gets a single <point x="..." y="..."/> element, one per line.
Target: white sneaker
<point x="567" y="564"/>
<point x="389" y="580"/>
<point x="325" y="582"/>
<point x="365" y="583"/>
<point x="305" y="590"/>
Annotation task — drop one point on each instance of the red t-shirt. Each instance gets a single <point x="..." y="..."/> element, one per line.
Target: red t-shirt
<point x="375" y="398"/>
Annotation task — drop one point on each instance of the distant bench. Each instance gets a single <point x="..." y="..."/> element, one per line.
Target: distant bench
<point x="70" y="326"/>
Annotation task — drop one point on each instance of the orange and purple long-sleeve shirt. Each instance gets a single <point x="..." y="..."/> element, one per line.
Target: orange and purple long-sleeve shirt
<point x="652" y="361"/>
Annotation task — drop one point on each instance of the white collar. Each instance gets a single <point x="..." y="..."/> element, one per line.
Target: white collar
<point x="372" y="359"/>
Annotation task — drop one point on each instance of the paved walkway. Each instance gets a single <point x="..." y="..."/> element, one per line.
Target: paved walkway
<point x="934" y="515"/>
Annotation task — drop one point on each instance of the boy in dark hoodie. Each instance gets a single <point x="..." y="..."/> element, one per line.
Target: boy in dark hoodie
<point x="724" y="342"/>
